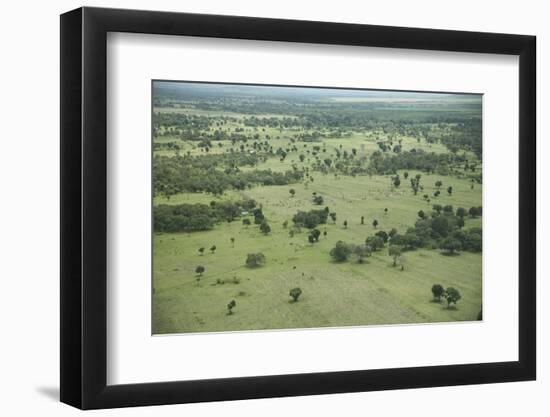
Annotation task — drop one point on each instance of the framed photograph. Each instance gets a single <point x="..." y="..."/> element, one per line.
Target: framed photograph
<point x="257" y="208"/>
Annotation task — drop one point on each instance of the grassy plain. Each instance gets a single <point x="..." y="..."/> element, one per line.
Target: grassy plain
<point x="334" y="294"/>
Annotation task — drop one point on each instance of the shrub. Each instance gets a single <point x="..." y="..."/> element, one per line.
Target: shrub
<point x="452" y="295"/>
<point x="295" y="293"/>
<point x="255" y="259"/>
<point x="437" y="291"/>
<point x="341" y="251"/>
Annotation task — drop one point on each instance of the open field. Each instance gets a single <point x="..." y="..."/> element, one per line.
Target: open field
<point x="334" y="294"/>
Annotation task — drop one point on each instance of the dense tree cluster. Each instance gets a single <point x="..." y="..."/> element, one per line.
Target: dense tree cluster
<point x="310" y="219"/>
<point x="443" y="230"/>
<point x="196" y="217"/>
<point x="173" y="175"/>
<point x="415" y="159"/>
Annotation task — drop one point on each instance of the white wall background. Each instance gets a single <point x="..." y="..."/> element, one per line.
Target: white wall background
<point x="29" y="237"/>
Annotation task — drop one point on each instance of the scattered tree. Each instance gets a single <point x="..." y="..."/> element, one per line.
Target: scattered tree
<point x="375" y="223"/>
<point x="341" y="251"/>
<point x="452" y="295"/>
<point x="333" y="217"/>
<point x="201" y="251"/>
<point x="374" y="242"/>
<point x="382" y="235"/>
<point x="213" y="249"/>
<point x="232" y="242"/>
<point x="362" y="251"/>
<point x="292" y="192"/>
<point x="437" y="291"/>
<point x="199" y="270"/>
<point x="246" y="222"/>
<point x="461" y="212"/>
<point x="265" y="228"/>
<point x="295" y="294"/>
<point x="395" y="253"/>
<point x="231" y="306"/>
<point x="255" y="259"/>
<point x="345" y="224"/>
<point x="448" y="209"/>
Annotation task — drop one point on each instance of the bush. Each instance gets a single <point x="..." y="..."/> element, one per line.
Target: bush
<point x="437" y="291"/>
<point x="452" y="295"/>
<point x="310" y="219"/>
<point x="295" y="293"/>
<point x="341" y="251"/>
<point x="375" y="243"/>
<point x="255" y="259"/>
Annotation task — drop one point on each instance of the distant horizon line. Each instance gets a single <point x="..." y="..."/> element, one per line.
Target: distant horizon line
<point x="355" y="91"/>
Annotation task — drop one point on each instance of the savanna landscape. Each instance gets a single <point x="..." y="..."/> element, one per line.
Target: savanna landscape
<point x="287" y="208"/>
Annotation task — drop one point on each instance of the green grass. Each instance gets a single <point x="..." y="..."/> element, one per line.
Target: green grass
<point x="334" y="294"/>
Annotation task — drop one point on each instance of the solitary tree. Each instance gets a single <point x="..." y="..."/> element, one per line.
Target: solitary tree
<point x="450" y="190"/>
<point x="292" y="191"/>
<point x="230" y="307"/>
<point x="232" y="242"/>
<point x="452" y="295"/>
<point x="199" y="270"/>
<point x="386" y="211"/>
<point x="362" y="219"/>
<point x="438" y="184"/>
<point x="213" y="249"/>
<point x="333" y="217"/>
<point x="406" y="174"/>
<point x="295" y="293"/>
<point x="325" y="233"/>
<point x="375" y="223"/>
<point x="318" y="200"/>
<point x="437" y="291"/>
<point x="345" y="224"/>
<point x="201" y="250"/>
<point x="395" y="253"/>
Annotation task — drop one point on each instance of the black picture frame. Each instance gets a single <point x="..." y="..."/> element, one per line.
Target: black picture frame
<point x="84" y="207"/>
